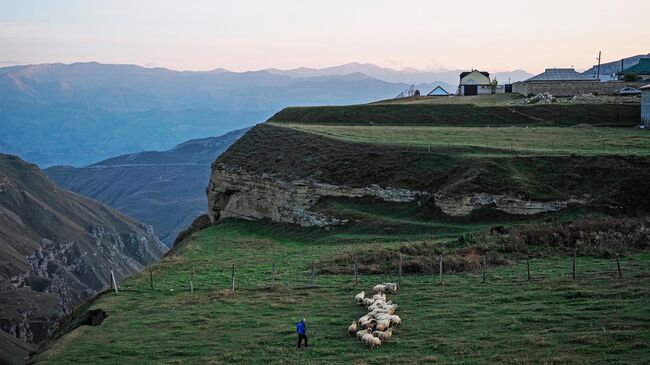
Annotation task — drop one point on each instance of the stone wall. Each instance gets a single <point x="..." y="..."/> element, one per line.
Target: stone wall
<point x="570" y="88"/>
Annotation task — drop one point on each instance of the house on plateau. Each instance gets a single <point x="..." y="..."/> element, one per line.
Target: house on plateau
<point x="438" y="91"/>
<point x="557" y="82"/>
<point x="474" y="83"/>
<point x="645" y="106"/>
<point x="641" y="69"/>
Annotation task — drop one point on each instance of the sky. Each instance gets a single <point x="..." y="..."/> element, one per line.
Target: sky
<point x="495" y="35"/>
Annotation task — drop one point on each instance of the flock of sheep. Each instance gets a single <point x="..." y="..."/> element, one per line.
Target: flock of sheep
<point x="378" y="324"/>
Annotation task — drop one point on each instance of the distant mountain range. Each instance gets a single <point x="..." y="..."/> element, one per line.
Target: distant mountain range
<point x="164" y="189"/>
<point x="57" y="249"/>
<point x="448" y="78"/>
<point x="76" y="114"/>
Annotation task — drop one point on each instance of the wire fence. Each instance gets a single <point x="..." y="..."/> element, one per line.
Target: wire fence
<point x="233" y="277"/>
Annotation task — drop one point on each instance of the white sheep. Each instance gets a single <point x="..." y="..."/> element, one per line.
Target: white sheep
<point x="352" y="329"/>
<point x="384" y="336"/>
<point x="375" y="342"/>
<point x="360" y="297"/>
<point x="369" y="324"/>
<point x="394" y="319"/>
<point x="390" y="288"/>
<point x="382" y="325"/>
<point x="361" y="333"/>
<point x="379" y="288"/>
<point x="365" y="318"/>
<point x="367" y="338"/>
<point x="368" y="302"/>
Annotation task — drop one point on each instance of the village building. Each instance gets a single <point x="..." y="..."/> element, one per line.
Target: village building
<point x="565" y="82"/>
<point x="474" y="83"/>
<point x="641" y="70"/>
<point x="645" y="106"/>
<point x="438" y="91"/>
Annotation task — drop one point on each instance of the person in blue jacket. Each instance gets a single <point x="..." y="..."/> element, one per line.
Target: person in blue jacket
<point x="301" y="328"/>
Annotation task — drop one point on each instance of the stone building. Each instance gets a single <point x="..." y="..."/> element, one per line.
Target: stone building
<point x="645" y="106"/>
<point x="566" y="82"/>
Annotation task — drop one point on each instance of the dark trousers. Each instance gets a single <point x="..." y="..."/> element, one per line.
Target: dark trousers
<point x="302" y="337"/>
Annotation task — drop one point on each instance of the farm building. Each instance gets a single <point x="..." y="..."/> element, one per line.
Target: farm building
<point x="438" y="91"/>
<point x="645" y="106"/>
<point x="565" y="82"/>
<point x="641" y="69"/>
<point x="474" y="83"/>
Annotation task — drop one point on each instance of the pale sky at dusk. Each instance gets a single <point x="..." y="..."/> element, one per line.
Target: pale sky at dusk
<point x="244" y="35"/>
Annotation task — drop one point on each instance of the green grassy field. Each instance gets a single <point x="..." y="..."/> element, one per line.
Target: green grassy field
<point x="596" y="318"/>
<point x="494" y="141"/>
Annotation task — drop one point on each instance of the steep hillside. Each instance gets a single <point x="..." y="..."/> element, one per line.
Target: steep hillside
<point x="57" y="249"/>
<point x="163" y="189"/>
<point x="452" y="160"/>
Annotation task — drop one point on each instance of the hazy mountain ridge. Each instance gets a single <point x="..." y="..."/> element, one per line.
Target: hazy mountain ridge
<point x="57" y="249"/>
<point x="164" y="189"/>
<point x="447" y="78"/>
<point x="84" y="112"/>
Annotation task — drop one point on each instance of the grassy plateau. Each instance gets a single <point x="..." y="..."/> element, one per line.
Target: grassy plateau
<point x="452" y="146"/>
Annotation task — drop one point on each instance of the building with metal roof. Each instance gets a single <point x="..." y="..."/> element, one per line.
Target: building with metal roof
<point x="560" y="74"/>
<point x="641" y="69"/>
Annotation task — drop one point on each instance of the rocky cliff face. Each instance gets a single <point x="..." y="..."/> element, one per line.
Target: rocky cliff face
<point x="57" y="249"/>
<point x="237" y="193"/>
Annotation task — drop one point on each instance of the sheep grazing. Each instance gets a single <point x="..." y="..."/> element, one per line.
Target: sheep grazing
<point x="382" y="325"/>
<point x="360" y="297"/>
<point x="367" y="338"/>
<point x="396" y="320"/>
<point x="384" y="336"/>
<point x="378" y="324"/>
<point x="379" y="297"/>
<point x="361" y="333"/>
<point x="390" y="288"/>
<point x="375" y="342"/>
<point x="352" y="329"/>
<point x="369" y="324"/>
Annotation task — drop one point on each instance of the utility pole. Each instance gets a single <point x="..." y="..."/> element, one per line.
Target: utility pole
<point x="598" y="69"/>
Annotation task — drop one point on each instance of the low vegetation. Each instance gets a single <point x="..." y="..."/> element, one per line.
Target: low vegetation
<point x="553" y="319"/>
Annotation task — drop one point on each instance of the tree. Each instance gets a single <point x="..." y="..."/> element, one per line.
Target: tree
<point x="630" y="76"/>
<point x="494" y="84"/>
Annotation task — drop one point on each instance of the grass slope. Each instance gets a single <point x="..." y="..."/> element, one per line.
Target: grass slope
<point x="499" y="141"/>
<point x="553" y="319"/>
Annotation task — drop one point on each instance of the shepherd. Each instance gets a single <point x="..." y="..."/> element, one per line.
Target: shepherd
<point x="301" y="328"/>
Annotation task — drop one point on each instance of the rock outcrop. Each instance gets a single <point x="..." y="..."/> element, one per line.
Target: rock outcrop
<point x="57" y="249"/>
<point x="236" y="193"/>
<point x="458" y="205"/>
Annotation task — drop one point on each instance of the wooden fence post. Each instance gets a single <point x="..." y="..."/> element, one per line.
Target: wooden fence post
<point x="114" y="282"/>
<point x="192" y="280"/>
<point x="484" y="267"/>
<point x="399" y="271"/>
<point x="273" y="275"/>
<point x="233" y="277"/>
<point x="618" y="265"/>
<point x="528" y="266"/>
<point x="151" y="277"/>
<point x="440" y="269"/>
<point x="574" y="264"/>
<point x="313" y="272"/>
